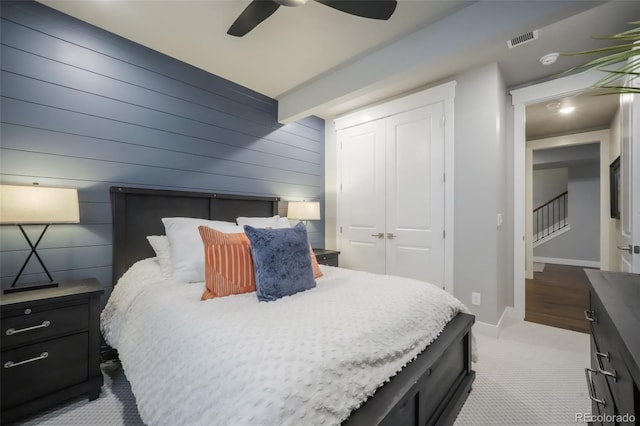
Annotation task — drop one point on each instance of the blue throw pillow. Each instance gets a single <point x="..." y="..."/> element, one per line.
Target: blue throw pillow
<point x="281" y="261"/>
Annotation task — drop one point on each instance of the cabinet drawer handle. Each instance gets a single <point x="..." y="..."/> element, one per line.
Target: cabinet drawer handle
<point x="591" y="387"/>
<point x="11" y="364"/>
<point x="590" y="316"/>
<point x="599" y="356"/>
<point x="12" y="331"/>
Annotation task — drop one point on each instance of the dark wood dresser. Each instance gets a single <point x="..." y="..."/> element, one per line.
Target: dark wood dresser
<point x="327" y="257"/>
<point x="614" y="377"/>
<point x="50" y="347"/>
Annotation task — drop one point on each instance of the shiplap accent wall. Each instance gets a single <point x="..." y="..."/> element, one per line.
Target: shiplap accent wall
<point x="85" y="108"/>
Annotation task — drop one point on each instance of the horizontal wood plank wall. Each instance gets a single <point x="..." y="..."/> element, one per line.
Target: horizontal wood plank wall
<point x="81" y="107"/>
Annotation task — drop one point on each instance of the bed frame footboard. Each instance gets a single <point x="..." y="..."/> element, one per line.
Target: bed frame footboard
<point x="431" y="389"/>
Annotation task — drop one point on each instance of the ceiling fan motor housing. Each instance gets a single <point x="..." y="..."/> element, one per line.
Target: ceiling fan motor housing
<point x="291" y="2"/>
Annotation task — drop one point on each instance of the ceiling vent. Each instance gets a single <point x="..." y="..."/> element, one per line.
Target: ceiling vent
<point x="522" y="39"/>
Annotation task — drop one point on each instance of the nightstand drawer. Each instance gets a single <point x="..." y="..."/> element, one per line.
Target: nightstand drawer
<point x="35" y="370"/>
<point x="327" y="259"/>
<point x="31" y="325"/>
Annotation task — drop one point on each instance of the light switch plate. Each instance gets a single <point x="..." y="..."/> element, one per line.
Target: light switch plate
<point x="475" y="298"/>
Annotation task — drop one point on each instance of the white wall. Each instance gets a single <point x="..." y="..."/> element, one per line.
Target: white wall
<point x="548" y="184"/>
<point x="582" y="242"/>
<point x="483" y="252"/>
<point x="504" y="203"/>
<point x="480" y="172"/>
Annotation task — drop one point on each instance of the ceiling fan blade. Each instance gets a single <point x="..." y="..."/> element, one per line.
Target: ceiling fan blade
<point x="256" y="12"/>
<point x="374" y="9"/>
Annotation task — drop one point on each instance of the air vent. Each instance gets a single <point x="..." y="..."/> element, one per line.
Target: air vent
<point x="522" y="39"/>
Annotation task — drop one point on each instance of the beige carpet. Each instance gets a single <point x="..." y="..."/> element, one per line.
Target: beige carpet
<point x="531" y="375"/>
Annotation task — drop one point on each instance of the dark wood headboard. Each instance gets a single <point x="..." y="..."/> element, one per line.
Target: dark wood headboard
<point x="137" y="212"/>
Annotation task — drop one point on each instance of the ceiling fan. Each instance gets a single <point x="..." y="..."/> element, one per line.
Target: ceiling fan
<point x="259" y="10"/>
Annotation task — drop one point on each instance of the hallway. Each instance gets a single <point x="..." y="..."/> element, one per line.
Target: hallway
<point x="558" y="297"/>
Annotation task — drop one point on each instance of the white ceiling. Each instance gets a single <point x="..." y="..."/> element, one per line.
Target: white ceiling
<point x="299" y="49"/>
<point x="292" y="46"/>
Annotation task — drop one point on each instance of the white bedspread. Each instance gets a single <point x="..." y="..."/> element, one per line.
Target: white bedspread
<point x="306" y="359"/>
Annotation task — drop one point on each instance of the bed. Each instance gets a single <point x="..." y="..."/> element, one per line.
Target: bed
<point x="430" y="386"/>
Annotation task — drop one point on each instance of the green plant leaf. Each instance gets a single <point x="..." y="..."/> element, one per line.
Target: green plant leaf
<point x="619" y="61"/>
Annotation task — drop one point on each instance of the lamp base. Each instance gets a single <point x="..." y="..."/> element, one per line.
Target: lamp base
<point x="30" y="287"/>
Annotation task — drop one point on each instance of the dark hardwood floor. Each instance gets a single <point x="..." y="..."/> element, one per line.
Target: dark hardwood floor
<point x="558" y="297"/>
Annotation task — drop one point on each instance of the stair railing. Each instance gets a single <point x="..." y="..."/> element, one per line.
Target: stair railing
<point x="550" y="217"/>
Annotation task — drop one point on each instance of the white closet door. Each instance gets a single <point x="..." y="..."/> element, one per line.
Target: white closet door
<point x="362" y="198"/>
<point x="415" y="194"/>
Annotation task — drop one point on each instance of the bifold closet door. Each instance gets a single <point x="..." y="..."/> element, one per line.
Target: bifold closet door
<point x="392" y="196"/>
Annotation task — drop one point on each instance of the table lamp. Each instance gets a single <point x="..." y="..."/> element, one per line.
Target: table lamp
<point x="37" y="205"/>
<point x="304" y="210"/>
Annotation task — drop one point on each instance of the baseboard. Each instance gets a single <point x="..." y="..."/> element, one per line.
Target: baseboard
<point x="570" y="262"/>
<point x="493" y="330"/>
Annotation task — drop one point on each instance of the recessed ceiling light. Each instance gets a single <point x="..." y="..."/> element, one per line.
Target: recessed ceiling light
<point x="567" y="110"/>
<point x="549" y="58"/>
<point x="553" y="106"/>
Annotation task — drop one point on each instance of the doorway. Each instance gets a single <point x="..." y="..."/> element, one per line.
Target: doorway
<point x="522" y="98"/>
<point x="564" y="194"/>
<point x="566" y="232"/>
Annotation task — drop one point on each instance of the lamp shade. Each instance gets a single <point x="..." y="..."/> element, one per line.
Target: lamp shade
<point x="304" y="210"/>
<point x="38" y="205"/>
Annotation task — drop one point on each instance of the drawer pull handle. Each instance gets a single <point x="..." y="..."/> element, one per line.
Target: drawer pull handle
<point x="590" y="316"/>
<point x="11" y="364"/>
<point x="591" y="387"/>
<point x="12" y="331"/>
<point x="599" y="356"/>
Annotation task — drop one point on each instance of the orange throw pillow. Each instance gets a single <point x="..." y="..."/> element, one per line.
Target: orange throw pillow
<point x="317" y="273"/>
<point x="228" y="265"/>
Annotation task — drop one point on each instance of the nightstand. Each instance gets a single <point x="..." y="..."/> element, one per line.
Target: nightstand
<point x="50" y="347"/>
<point x="326" y="257"/>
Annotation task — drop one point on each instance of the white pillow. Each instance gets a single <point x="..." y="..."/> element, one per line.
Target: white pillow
<point x="282" y="222"/>
<point x="258" y="222"/>
<point x="185" y="245"/>
<point x="160" y="244"/>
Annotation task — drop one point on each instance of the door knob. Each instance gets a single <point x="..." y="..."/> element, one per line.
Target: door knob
<point x="390" y="235"/>
<point x="379" y="235"/>
<point x="626" y="248"/>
